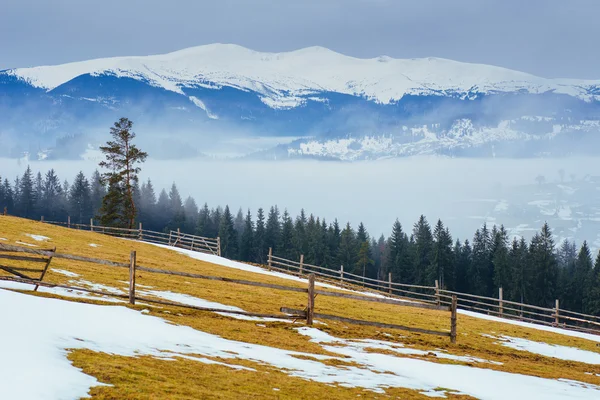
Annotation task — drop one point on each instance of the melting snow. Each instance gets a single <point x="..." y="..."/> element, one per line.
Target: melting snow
<point x="551" y="350"/>
<point x="37" y="238"/>
<point x="65" y="273"/>
<point x="40" y="330"/>
<point x="94" y="245"/>
<point x="582" y="335"/>
<point x="1" y="238"/>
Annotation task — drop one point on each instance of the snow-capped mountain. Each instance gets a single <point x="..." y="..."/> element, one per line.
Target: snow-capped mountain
<point x="218" y="91"/>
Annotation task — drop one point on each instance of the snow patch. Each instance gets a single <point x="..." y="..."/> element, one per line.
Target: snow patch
<point x="65" y="273"/>
<point x="37" y="238"/>
<point x="550" y="350"/>
<point x="40" y="355"/>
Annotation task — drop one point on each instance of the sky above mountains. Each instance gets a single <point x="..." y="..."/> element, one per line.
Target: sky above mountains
<point x="549" y="38"/>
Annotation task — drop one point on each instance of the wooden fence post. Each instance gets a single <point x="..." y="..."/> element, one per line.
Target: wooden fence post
<point x="132" y="277"/>
<point x="5" y="211"/>
<point x="453" y="319"/>
<point x="42" y="219"/>
<point x="140" y="234"/>
<point x="69" y="221"/>
<point x="342" y="275"/>
<point x="92" y="224"/>
<point x="390" y="282"/>
<point x="193" y="243"/>
<point x="301" y="262"/>
<point x="437" y="292"/>
<point x="557" y="316"/>
<point x="170" y="233"/>
<point x="219" y="246"/>
<point x="310" y="309"/>
<point x="270" y="259"/>
<point x="500" y="303"/>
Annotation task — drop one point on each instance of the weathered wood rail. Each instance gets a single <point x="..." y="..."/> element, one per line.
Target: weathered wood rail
<point x="308" y="314"/>
<point x="172" y="238"/>
<point x="436" y="296"/>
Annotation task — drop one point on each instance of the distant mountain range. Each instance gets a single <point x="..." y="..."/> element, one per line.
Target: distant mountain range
<point x="196" y="100"/>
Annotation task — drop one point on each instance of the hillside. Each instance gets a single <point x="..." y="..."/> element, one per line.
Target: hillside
<point x="385" y="106"/>
<point x="73" y="343"/>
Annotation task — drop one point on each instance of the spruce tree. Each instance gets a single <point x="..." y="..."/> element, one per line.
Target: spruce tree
<point x="545" y="268"/>
<point x="423" y="248"/>
<point x="348" y="250"/>
<point x="26" y="195"/>
<point x="98" y="191"/>
<point x="582" y="279"/>
<point x="247" y="242"/>
<point x="273" y="229"/>
<point x="39" y="196"/>
<point x="260" y="250"/>
<point x="300" y="237"/>
<point x="147" y="206"/>
<point x="500" y="260"/>
<point x="176" y="212"/>
<point x="80" y="205"/>
<point x="399" y="260"/>
<point x="9" y="200"/>
<point x="190" y="209"/>
<point x="163" y="210"/>
<point x="118" y="206"/>
<point x="442" y="266"/>
<point x="286" y="245"/>
<point x="228" y="235"/>
<point x="203" y="226"/>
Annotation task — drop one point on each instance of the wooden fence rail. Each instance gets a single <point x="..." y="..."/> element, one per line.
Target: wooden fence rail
<point x="308" y="314"/>
<point x="434" y="295"/>
<point x="173" y="238"/>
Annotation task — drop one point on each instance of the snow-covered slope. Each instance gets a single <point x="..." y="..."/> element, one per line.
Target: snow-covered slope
<point x="281" y="77"/>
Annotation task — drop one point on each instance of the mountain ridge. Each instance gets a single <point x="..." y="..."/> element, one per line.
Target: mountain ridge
<point x="206" y="94"/>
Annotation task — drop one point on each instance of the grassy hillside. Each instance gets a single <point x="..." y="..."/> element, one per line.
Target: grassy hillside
<point x="148" y="377"/>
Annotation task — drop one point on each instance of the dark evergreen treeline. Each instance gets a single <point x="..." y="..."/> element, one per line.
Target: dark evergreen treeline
<point x="535" y="272"/>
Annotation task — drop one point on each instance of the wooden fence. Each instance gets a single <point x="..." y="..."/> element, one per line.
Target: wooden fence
<point x="173" y="238"/>
<point x="424" y="294"/>
<point x="307" y="314"/>
<point x="498" y="307"/>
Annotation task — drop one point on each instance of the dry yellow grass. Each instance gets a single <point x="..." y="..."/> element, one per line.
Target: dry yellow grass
<point x="147" y="377"/>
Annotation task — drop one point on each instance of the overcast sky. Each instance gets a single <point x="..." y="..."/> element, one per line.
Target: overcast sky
<point x="551" y="38"/>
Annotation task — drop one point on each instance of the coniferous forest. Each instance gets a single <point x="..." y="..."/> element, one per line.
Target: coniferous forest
<point x="535" y="272"/>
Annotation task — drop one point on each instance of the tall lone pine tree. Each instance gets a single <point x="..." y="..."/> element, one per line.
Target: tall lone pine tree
<point x="118" y="205"/>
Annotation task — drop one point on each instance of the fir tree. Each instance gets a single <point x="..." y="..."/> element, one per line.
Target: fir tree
<point x="39" y="196"/>
<point x="190" y="209"/>
<point x="260" y="251"/>
<point x="545" y="268"/>
<point x="500" y="261"/>
<point x="80" y="205"/>
<point x="273" y="229"/>
<point x="286" y="245"/>
<point x="582" y="279"/>
<point x="98" y="191"/>
<point x="442" y="266"/>
<point x="247" y="242"/>
<point x="26" y="195"/>
<point x="147" y="206"/>
<point x="347" y="252"/>
<point x="228" y="235"/>
<point x="176" y="212"/>
<point x="423" y="250"/>
<point x="203" y="221"/>
<point x="399" y="260"/>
